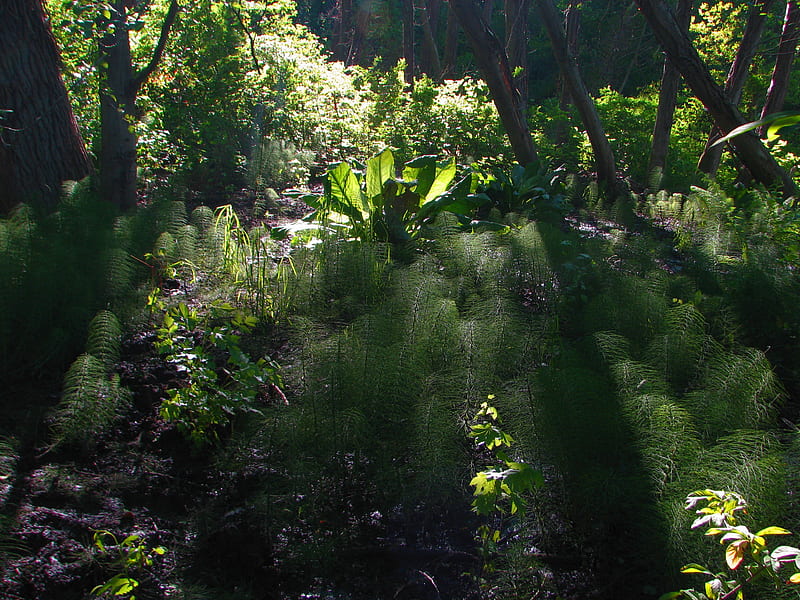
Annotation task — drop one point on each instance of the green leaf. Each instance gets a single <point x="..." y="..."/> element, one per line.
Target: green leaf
<point x="774" y="531"/>
<point x="380" y="169"/>
<point x="343" y="193"/>
<point x="422" y="170"/>
<point x="695" y="568"/>
<point x="442" y="180"/>
<point x="778" y="120"/>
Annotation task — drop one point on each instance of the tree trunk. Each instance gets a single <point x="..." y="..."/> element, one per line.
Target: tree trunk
<point x="734" y="83"/>
<point x="344" y="30"/>
<point x="516" y="16"/>
<point x="572" y="30"/>
<point x="119" y="86"/>
<point x="408" y="40"/>
<point x="450" y="46"/>
<point x="783" y="62"/>
<point x="604" y="155"/>
<point x="40" y="145"/>
<point x="429" y="55"/>
<point x="675" y="42"/>
<point x="492" y="61"/>
<point x="667" y="96"/>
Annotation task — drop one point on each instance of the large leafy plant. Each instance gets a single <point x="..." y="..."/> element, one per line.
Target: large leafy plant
<point x="371" y="202"/>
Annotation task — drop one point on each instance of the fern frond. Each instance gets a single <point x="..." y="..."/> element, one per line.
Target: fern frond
<point x="90" y="401"/>
<point x="202" y="218"/>
<point x="738" y="391"/>
<point x="176" y="218"/>
<point x="104" y="338"/>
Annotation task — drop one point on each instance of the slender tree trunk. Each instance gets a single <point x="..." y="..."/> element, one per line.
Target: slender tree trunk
<point x="450" y="45"/>
<point x="344" y="30"/>
<point x="516" y="16"/>
<point x="119" y="86"/>
<point x="734" y="83"/>
<point x="678" y="47"/>
<point x="572" y="30"/>
<point x="776" y="93"/>
<point x="429" y="54"/>
<point x="408" y="40"/>
<point x="667" y="97"/>
<point x="604" y="155"/>
<point x="40" y="145"/>
<point x="492" y="61"/>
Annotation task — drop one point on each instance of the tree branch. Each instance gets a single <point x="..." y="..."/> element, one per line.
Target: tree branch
<point x="142" y="76"/>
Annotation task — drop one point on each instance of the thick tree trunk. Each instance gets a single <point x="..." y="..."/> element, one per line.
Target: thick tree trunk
<point x="408" y="40"/>
<point x="682" y="53"/>
<point x="734" y="83"/>
<point x="119" y="86"/>
<point x="776" y="93"/>
<point x="667" y="96"/>
<point x="40" y="145"/>
<point x="429" y="55"/>
<point x="492" y="61"/>
<point x="516" y="16"/>
<point x="604" y="155"/>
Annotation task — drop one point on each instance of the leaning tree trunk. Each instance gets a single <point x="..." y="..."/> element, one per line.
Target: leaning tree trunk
<point x="119" y="86"/>
<point x="40" y="145"/>
<point x="678" y="47"/>
<point x="604" y="155"/>
<point x="734" y="83"/>
<point x="787" y="47"/>
<point x="667" y="97"/>
<point x="492" y="61"/>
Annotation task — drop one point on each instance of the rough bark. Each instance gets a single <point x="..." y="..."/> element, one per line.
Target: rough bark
<point x="667" y="96"/>
<point x="408" y="40"/>
<point x="119" y="86"/>
<point x="492" y="61"/>
<point x="40" y="145"/>
<point x="734" y="83"/>
<point x="776" y="94"/>
<point x="516" y="20"/>
<point x="678" y="47"/>
<point x="604" y="155"/>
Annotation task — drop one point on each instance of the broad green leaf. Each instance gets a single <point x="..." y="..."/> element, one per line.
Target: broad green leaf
<point x="380" y="169"/>
<point x="774" y="531"/>
<point x="422" y="170"/>
<point x="695" y="568"/>
<point x="778" y="121"/>
<point x="442" y="180"/>
<point x="343" y="192"/>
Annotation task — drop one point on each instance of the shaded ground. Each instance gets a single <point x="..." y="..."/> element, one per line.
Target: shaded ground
<point x="145" y="479"/>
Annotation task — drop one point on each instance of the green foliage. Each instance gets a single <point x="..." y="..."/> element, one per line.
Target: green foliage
<point x="374" y="204"/>
<point x="211" y="395"/>
<point x="496" y="487"/>
<point x="744" y="549"/>
<point x="129" y="557"/>
<point x="90" y="401"/>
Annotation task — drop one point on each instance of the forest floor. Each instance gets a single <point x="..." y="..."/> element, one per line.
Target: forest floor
<point x="144" y="479"/>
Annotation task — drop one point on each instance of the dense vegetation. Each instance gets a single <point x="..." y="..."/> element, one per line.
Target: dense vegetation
<point x="345" y="346"/>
